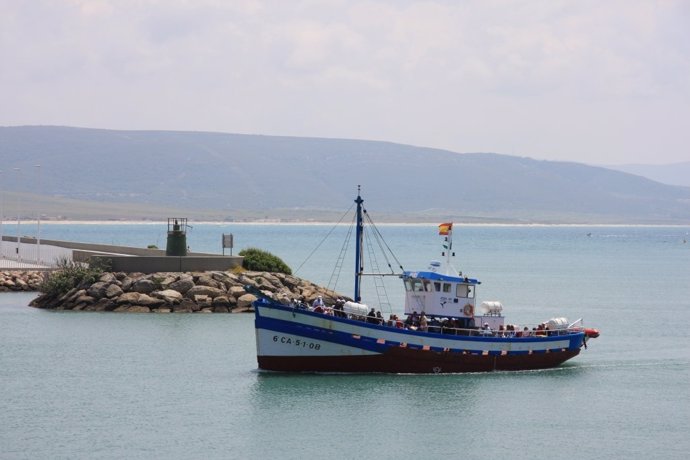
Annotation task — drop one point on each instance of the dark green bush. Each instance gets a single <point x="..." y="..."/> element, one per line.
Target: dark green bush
<point x="262" y="261"/>
<point x="70" y="274"/>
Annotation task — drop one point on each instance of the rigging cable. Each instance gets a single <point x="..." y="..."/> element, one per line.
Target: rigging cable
<point x="379" y="284"/>
<point x="324" y="239"/>
<point x="381" y="241"/>
<point x="338" y="268"/>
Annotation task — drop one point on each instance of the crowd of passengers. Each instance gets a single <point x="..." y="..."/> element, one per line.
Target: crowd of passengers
<point x="420" y="322"/>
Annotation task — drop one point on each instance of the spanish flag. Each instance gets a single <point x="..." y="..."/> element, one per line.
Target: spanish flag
<point x="444" y="229"/>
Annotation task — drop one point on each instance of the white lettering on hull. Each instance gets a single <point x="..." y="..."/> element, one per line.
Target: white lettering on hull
<point x="271" y="343"/>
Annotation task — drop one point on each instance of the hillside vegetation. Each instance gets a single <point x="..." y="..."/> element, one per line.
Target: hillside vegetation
<point x="237" y="176"/>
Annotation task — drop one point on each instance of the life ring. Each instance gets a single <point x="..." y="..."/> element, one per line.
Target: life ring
<point x="468" y="310"/>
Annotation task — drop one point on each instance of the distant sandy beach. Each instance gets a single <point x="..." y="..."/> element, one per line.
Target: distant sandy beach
<point x="8" y="223"/>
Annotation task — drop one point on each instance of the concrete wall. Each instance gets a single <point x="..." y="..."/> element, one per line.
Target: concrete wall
<point x="129" y="259"/>
<point x="90" y="246"/>
<point x="153" y="264"/>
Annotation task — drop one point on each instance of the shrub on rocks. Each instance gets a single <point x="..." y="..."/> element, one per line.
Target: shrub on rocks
<point x="263" y="261"/>
<point x="69" y="275"/>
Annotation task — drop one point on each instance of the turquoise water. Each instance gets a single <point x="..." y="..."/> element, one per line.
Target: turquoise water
<point x="99" y="385"/>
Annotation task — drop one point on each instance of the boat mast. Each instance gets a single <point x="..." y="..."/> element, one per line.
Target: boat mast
<point x="446" y="230"/>
<point x="358" y="248"/>
<point x="449" y="248"/>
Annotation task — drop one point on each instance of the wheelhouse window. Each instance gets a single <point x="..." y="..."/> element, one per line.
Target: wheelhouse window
<point x="465" y="291"/>
<point x="437" y="286"/>
<point x="414" y="285"/>
<point x="446" y="287"/>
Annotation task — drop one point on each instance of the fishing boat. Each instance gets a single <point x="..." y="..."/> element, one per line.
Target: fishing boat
<point x="444" y="331"/>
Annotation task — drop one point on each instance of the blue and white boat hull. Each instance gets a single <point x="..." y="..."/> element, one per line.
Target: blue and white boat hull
<point x="296" y="340"/>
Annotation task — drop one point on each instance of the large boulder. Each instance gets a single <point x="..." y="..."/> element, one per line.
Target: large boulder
<point x="21" y="284"/>
<point x="145" y="286"/>
<point x="106" y="304"/>
<point x="186" y="306"/>
<point x="264" y="284"/>
<point x="212" y="292"/>
<point x="97" y="289"/>
<point x="236" y="291"/>
<point x="126" y="283"/>
<point x="113" y="290"/>
<point x="85" y="299"/>
<point x="108" y="278"/>
<point x="166" y="281"/>
<point x="247" y="279"/>
<point x="148" y="301"/>
<point x="128" y="298"/>
<point x="245" y="300"/>
<point x="9" y="282"/>
<point x="207" y="280"/>
<point x="170" y="296"/>
<point x="228" y="279"/>
<point x="182" y="285"/>
<point x="72" y="294"/>
<point x="223" y="301"/>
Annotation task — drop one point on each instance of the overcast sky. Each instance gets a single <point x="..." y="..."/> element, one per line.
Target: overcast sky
<point x="599" y="81"/>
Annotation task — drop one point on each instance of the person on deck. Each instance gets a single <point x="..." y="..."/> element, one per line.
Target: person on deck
<point x="415" y="318"/>
<point x="379" y="319"/>
<point x="423" y="324"/>
<point x="338" y="308"/>
<point x="318" y="305"/>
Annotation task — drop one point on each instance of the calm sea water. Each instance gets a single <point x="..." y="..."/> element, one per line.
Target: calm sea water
<point x="103" y="385"/>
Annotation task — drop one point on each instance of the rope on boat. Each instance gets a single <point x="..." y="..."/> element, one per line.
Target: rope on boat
<point x="382" y="242"/>
<point x="324" y="239"/>
<point x="338" y="268"/>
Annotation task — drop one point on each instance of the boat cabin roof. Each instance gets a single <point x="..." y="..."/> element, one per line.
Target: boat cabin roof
<point x="427" y="275"/>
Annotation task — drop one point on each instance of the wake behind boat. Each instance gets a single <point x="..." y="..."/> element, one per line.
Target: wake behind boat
<point x="444" y="331"/>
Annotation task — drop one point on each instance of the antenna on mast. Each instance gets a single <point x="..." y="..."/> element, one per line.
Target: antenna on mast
<point x="446" y="230"/>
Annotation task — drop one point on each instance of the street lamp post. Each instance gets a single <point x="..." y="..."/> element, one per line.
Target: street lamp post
<point x="19" y="256"/>
<point x="38" y="217"/>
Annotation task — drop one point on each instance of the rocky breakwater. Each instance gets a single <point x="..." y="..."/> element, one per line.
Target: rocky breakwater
<point x="204" y="292"/>
<point x="20" y="281"/>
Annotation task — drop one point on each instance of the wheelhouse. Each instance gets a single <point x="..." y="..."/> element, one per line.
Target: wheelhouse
<point x="440" y="295"/>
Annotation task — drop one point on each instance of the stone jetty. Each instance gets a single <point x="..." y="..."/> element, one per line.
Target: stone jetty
<point x="198" y="292"/>
<point x="20" y="281"/>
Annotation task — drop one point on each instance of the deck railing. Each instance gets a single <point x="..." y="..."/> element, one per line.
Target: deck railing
<point x="447" y="330"/>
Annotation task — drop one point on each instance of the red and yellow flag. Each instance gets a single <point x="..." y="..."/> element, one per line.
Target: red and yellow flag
<point x="444" y="229"/>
